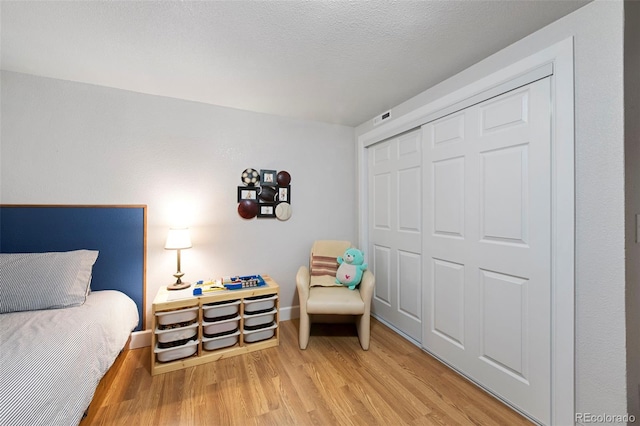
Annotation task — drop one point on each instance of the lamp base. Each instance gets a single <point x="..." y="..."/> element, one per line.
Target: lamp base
<point x="178" y="286"/>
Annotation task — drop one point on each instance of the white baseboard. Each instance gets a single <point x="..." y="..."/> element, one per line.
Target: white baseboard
<point x="141" y="339"/>
<point x="289" y="313"/>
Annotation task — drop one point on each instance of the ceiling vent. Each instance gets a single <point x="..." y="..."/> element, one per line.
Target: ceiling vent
<point x="385" y="116"/>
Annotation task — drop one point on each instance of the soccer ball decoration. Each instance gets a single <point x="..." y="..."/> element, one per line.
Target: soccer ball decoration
<point x="250" y="177"/>
<point x="265" y="194"/>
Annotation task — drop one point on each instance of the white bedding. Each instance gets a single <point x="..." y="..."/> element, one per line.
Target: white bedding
<point x="51" y="361"/>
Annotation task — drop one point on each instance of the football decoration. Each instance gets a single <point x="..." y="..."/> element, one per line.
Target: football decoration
<point x="250" y="177"/>
<point x="265" y="194"/>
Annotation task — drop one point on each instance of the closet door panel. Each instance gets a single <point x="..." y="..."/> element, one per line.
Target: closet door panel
<point x="395" y="231"/>
<point x="487" y="245"/>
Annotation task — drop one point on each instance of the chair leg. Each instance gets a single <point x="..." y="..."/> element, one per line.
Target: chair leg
<point x="305" y="330"/>
<point x="363" y="322"/>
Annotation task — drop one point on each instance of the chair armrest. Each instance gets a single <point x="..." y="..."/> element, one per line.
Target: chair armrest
<point x="302" y="282"/>
<point x="366" y="286"/>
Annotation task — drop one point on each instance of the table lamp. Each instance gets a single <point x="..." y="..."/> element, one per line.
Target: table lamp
<point x="178" y="239"/>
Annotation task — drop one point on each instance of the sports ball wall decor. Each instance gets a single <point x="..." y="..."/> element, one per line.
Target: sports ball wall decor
<point x="283" y="178"/>
<point x="266" y="194"/>
<point x="250" y="177"/>
<point x="247" y="209"/>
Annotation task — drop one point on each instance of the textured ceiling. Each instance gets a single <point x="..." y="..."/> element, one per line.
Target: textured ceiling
<point x="331" y="61"/>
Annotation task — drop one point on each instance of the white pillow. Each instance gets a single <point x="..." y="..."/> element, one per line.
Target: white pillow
<point x="33" y="281"/>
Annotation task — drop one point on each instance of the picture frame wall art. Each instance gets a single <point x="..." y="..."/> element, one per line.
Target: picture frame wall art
<point x="247" y="193"/>
<point x="268" y="177"/>
<point x="284" y="194"/>
<point x="265" y="194"/>
<point x="267" y="210"/>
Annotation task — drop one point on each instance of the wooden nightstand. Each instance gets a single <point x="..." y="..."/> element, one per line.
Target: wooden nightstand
<point x="221" y="324"/>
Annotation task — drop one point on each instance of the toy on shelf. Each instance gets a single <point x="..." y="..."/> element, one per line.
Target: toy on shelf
<point x="202" y="287"/>
<point x="228" y="283"/>
<point x="238" y="283"/>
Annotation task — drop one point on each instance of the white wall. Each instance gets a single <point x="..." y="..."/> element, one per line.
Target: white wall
<point x="632" y="172"/>
<point x="72" y="143"/>
<point x="597" y="29"/>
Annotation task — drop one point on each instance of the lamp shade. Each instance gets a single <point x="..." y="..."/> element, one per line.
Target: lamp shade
<point x="178" y="239"/>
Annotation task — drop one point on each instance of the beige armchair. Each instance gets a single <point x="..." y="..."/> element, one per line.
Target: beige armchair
<point x="318" y="298"/>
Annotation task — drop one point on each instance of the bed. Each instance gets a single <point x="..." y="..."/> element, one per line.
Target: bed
<point x="72" y="285"/>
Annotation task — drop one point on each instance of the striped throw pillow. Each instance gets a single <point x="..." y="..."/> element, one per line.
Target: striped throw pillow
<point x="33" y="281"/>
<point x="323" y="270"/>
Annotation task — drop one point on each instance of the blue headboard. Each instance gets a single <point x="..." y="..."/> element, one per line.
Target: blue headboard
<point x="117" y="232"/>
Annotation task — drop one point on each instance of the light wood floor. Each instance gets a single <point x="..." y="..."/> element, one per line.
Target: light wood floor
<point x="333" y="382"/>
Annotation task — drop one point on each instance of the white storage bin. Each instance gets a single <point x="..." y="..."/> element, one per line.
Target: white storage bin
<point x="260" y="334"/>
<point x="173" y="334"/>
<point x="177" y="316"/>
<point x="260" y="304"/>
<point x="220" y="327"/>
<point x="213" y="343"/>
<point x="171" y="354"/>
<point x="252" y="322"/>
<point x="213" y="311"/>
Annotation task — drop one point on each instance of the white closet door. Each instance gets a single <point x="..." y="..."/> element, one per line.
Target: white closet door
<point x="395" y="231"/>
<point x="487" y="245"/>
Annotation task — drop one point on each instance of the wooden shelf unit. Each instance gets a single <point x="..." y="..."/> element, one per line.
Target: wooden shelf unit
<point x="202" y="356"/>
